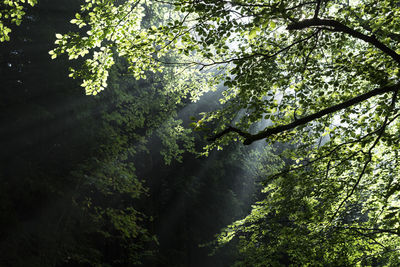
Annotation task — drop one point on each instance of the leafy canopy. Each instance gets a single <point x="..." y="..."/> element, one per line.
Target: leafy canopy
<point x="321" y="76"/>
<point x="11" y="12"/>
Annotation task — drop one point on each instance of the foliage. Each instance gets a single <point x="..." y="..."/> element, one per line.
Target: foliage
<point x="322" y="74"/>
<point x="114" y="29"/>
<point x="11" y="12"/>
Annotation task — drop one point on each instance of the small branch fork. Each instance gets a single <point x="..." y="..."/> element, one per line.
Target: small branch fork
<point x="246" y="57"/>
<point x="250" y="138"/>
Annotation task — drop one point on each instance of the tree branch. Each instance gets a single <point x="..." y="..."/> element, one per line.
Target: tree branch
<point x="381" y="132"/>
<point x="250" y="138"/>
<point x="337" y="26"/>
<point x="258" y="54"/>
<point x="373" y="230"/>
<point x="317" y="9"/>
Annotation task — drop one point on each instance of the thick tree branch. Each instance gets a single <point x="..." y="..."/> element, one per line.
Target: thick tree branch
<point x="250" y="138"/>
<point x="317" y="9"/>
<point x="337" y="26"/>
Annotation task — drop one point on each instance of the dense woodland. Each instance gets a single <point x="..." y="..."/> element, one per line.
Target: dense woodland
<point x="199" y="133"/>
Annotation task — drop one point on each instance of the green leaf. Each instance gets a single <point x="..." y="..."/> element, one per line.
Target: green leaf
<point x="253" y="32"/>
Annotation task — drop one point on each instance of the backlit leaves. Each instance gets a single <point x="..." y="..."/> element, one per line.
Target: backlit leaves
<point x="12" y="12"/>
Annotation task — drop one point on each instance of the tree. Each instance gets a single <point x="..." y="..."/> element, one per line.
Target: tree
<point x="320" y="75"/>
